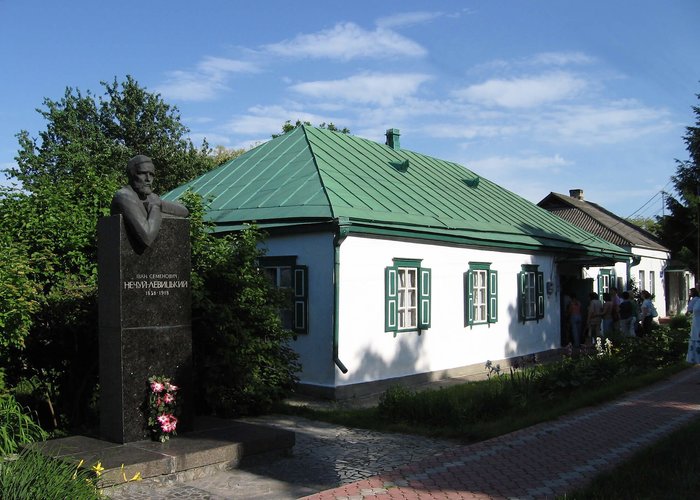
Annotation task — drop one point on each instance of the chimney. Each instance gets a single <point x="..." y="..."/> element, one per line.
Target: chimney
<point x="576" y="193"/>
<point x="392" y="138"/>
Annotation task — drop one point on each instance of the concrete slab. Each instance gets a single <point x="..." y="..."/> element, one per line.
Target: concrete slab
<point x="214" y="442"/>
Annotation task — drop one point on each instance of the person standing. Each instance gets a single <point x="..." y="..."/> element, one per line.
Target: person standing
<point x="575" y="320"/>
<point x="693" y="299"/>
<point x="595" y="313"/>
<point x="608" y="314"/>
<point x="648" y="313"/>
<point x="627" y="318"/>
<point x="693" y="355"/>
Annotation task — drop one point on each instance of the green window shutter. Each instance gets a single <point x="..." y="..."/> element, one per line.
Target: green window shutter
<point x="301" y="302"/>
<point x="540" y="295"/>
<point x="600" y="285"/>
<point x="469" y="298"/>
<point x="522" y="275"/>
<point x="391" y="300"/>
<point x="493" y="296"/>
<point x="424" y="295"/>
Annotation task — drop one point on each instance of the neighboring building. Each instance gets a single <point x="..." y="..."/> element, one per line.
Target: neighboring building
<point x="402" y="265"/>
<point x="649" y="268"/>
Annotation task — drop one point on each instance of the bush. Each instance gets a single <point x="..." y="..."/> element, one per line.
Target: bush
<point x="529" y="386"/>
<point x="16" y="426"/>
<point x="242" y="358"/>
<point x="35" y="475"/>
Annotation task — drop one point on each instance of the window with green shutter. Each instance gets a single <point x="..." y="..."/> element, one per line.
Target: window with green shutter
<point x="408" y="293"/>
<point x="481" y="294"/>
<point x="531" y="293"/>
<point x="606" y="280"/>
<point x="285" y="274"/>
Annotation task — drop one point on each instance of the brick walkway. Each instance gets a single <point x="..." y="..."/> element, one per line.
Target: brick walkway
<point x="544" y="460"/>
<point x="338" y="463"/>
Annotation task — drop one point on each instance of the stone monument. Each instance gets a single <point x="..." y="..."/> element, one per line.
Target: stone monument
<point x="144" y="305"/>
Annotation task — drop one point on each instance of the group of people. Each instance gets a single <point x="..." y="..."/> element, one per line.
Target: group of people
<point x="627" y="315"/>
<point x="616" y="312"/>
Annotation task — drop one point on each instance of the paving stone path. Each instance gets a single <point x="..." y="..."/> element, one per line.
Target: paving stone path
<point x="542" y="461"/>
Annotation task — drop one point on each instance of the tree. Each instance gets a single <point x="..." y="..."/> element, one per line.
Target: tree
<point x="48" y="275"/>
<point x="85" y="132"/>
<point x="222" y="154"/>
<point x="242" y="358"/>
<point x="650" y="225"/>
<point x="288" y="127"/>
<point x="19" y="296"/>
<point x="68" y="176"/>
<point x="679" y="229"/>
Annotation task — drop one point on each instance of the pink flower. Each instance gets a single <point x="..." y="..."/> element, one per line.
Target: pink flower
<point x="164" y="418"/>
<point x="168" y="398"/>
<point x="157" y="387"/>
<point x="170" y="425"/>
<point x="172" y="387"/>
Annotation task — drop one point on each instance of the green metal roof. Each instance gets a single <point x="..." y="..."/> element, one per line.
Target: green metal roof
<point x="312" y="174"/>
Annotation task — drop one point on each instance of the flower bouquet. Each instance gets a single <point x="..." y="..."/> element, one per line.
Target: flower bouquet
<point x="162" y="408"/>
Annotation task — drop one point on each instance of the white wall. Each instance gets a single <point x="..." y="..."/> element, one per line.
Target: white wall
<point x="371" y="354"/>
<point x="650" y="261"/>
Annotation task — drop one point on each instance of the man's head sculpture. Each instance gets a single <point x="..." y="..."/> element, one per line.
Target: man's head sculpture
<point x="140" y="207"/>
<point x="141" y="174"/>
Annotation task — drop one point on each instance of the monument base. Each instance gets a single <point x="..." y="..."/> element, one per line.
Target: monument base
<point x="145" y="330"/>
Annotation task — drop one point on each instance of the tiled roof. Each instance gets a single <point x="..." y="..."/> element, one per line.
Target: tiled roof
<point x="599" y="221"/>
<point x="314" y="175"/>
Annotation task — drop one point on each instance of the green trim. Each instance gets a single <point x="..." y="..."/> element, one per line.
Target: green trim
<point x="491" y="278"/>
<point x="391" y="295"/>
<point x="336" y="306"/>
<point x="538" y="276"/>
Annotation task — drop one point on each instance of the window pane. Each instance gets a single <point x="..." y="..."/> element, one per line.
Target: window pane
<point x="285" y="277"/>
<point x="407" y="297"/>
<point x="479" y="295"/>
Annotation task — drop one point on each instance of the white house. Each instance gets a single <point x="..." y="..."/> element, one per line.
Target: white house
<point x="403" y="266"/>
<point x="650" y="267"/>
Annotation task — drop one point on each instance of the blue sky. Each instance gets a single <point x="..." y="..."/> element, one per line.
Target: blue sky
<point x="536" y="95"/>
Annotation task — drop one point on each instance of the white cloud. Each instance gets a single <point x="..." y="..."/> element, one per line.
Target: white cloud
<point x="214" y="139"/>
<point x="515" y="164"/>
<point x="603" y="124"/>
<point x="206" y="81"/>
<point x="407" y="19"/>
<point x="560" y="58"/>
<point x="347" y="41"/>
<point x="267" y="120"/>
<point x="470" y="130"/>
<point x="382" y="89"/>
<point x="525" y="92"/>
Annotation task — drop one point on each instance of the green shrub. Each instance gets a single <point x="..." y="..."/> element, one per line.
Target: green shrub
<point x="529" y="386"/>
<point x="242" y="357"/>
<point x="16" y="426"/>
<point x="33" y="475"/>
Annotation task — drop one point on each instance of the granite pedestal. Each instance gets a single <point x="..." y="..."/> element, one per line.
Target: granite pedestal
<point x="144" y="324"/>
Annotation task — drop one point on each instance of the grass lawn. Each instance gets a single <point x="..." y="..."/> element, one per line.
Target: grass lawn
<point x="669" y="469"/>
<point x="491" y="421"/>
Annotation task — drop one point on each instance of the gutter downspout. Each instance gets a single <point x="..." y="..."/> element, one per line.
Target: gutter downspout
<point x="340" y="235"/>
<point x="634" y="261"/>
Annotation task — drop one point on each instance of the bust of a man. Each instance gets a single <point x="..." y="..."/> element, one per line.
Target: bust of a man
<point x="141" y="208"/>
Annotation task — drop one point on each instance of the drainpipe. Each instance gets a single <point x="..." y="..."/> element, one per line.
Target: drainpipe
<point x="340" y="235"/>
<point x="634" y="261"/>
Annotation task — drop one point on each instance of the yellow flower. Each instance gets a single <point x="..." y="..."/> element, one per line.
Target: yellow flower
<point x="137" y="477"/>
<point x="97" y="468"/>
<point x="75" y="474"/>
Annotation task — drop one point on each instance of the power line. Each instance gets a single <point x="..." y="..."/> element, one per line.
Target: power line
<point x="660" y="192"/>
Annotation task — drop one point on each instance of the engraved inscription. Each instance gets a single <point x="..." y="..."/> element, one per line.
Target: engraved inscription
<point x="156" y="283"/>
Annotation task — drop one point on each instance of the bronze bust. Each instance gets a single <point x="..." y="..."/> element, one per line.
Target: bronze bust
<point x="141" y="208"/>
